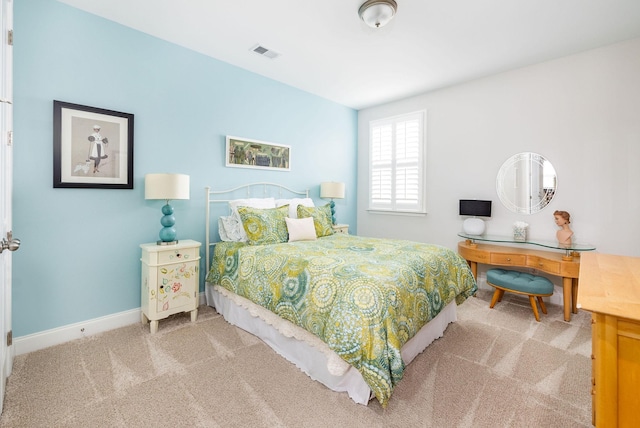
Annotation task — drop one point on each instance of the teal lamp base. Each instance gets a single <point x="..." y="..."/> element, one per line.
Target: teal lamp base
<point x="332" y="205"/>
<point x="168" y="232"/>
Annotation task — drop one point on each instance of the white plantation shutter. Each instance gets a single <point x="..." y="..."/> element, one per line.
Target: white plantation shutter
<point x="397" y="163"/>
<point x="381" y="158"/>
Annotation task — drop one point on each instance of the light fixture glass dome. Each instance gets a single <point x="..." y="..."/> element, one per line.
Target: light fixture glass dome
<point x="377" y="13"/>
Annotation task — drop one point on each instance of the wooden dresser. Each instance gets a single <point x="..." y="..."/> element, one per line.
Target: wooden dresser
<point x="610" y="289"/>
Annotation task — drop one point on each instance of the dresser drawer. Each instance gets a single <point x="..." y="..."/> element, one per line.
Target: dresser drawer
<point x="544" y="265"/>
<point x="508" y="259"/>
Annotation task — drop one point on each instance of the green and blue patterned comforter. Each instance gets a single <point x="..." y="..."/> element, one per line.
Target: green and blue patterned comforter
<point x="364" y="297"/>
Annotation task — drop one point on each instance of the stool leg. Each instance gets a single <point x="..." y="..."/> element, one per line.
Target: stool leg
<point x="501" y="295"/>
<point x="495" y="298"/>
<point x="542" y="306"/>
<point x="532" y="300"/>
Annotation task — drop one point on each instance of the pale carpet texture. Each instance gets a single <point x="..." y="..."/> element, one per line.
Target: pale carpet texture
<point x="493" y="368"/>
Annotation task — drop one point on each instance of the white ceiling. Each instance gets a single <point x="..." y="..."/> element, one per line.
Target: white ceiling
<point x="326" y="50"/>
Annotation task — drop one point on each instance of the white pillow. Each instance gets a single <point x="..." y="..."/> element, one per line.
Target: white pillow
<point x="221" y="231"/>
<point x="293" y="205"/>
<point x="301" y="229"/>
<point x="249" y="202"/>
<point x="252" y="203"/>
<point x="229" y="229"/>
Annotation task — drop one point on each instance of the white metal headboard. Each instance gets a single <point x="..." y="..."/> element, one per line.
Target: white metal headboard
<point x="252" y="190"/>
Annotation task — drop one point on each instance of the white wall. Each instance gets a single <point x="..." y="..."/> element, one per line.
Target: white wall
<point x="582" y="112"/>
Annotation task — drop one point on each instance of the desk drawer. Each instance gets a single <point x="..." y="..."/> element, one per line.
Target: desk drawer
<point x="508" y="259"/>
<point x="545" y="265"/>
<point x="473" y="254"/>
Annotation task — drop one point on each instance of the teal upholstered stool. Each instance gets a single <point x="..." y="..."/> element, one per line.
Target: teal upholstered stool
<point x="521" y="283"/>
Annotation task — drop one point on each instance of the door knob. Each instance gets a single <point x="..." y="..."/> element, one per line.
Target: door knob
<point x="9" y="243"/>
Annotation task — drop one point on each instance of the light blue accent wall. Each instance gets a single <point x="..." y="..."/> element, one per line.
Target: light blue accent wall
<point x="79" y="258"/>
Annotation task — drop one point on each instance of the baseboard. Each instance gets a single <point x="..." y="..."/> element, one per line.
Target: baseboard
<point x="56" y="336"/>
<point x="44" y="339"/>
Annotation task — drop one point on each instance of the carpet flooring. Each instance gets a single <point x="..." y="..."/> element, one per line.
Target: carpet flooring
<point x="493" y="368"/>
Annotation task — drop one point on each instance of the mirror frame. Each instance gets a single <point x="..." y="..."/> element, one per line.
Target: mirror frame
<point x="519" y="168"/>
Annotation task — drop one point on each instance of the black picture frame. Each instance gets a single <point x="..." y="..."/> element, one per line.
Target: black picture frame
<point x="85" y="159"/>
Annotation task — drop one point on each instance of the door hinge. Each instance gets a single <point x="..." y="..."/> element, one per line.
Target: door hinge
<point x="10" y="37"/>
<point x="9" y="338"/>
<point x="9" y="138"/>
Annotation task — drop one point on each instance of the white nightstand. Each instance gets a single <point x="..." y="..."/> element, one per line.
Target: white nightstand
<point x="341" y="228"/>
<point x="170" y="280"/>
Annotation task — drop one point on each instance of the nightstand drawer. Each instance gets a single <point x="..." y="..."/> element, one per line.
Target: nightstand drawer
<point x="178" y="255"/>
<point x="341" y="228"/>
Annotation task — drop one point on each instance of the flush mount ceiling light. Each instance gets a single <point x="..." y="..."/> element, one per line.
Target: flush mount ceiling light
<point x="377" y="13"/>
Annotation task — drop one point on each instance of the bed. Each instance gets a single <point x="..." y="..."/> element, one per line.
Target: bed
<point x="351" y="312"/>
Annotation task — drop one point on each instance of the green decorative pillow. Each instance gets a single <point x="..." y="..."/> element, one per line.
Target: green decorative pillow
<point x="321" y="218"/>
<point x="265" y="226"/>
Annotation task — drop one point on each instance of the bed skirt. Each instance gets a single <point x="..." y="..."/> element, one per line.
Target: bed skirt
<point x="306" y="350"/>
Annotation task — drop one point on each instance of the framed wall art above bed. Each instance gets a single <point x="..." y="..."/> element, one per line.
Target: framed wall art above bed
<point x="247" y="153"/>
<point x="92" y="147"/>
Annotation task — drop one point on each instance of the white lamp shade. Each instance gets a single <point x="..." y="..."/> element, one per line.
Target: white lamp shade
<point x="332" y="190"/>
<point x="473" y="226"/>
<point x="166" y="186"/>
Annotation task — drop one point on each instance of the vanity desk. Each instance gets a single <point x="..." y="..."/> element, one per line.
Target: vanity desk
<point x="544" y="256"/>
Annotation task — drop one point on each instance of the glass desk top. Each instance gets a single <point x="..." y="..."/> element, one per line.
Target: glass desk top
<point x="541" y="243"/>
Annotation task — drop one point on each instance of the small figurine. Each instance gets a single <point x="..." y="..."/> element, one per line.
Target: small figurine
<point x="563" y="219"/>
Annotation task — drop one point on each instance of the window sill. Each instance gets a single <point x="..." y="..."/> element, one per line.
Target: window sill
<point x="404" y="213"/>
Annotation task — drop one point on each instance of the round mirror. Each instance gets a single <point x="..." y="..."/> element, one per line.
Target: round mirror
<point x="526" y="183"/>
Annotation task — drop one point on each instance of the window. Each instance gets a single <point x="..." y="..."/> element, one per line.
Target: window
<point x="397" y="159"/>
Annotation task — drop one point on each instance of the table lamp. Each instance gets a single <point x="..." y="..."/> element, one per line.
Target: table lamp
<point x="475" y="208"/>
<point x="332" y="190"/>
<point x="168" y="187"/>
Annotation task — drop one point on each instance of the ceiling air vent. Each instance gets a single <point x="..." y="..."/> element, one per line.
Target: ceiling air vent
<point x="261" y="50"/>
